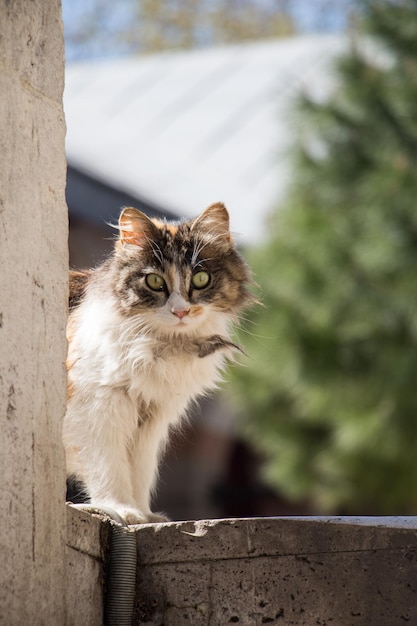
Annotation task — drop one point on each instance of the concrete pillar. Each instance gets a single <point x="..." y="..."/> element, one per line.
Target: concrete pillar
<point x="33" y="294"/>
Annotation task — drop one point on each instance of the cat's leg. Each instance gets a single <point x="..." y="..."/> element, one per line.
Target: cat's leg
<point x="148" y="444"/>
<point x="97" y="445"/>
<point x="111" y="488"/>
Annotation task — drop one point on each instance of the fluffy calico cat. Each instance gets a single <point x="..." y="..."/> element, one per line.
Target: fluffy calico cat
<point x="148" y="332"/>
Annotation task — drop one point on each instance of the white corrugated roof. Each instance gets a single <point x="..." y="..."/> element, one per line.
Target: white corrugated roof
<point x="186" y="129"/>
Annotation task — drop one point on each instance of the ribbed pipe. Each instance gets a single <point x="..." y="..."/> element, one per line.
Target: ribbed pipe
<point x="121" y="577"/>
<point x="121" y="572"/>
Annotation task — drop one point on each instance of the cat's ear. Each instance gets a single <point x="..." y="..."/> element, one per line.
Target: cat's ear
<point x="214" y="221"/>
<point x="135" y="228"/>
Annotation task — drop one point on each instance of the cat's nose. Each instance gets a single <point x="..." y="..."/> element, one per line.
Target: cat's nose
<point x="178" y="305"/>
<point x="180" y="313"/>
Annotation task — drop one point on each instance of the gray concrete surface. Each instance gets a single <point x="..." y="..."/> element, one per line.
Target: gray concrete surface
<point x="33" y="294"/>
<point x="282" y="571"/>
<point x="87" y="541"/>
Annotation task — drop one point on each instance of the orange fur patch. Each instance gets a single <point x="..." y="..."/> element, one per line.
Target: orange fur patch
<point x="172" y="228"/>
<point x="71" y="327"/>
<point x="70" y="390"/>
<point x="136" y="239"/>
<point x="195" y="310"/>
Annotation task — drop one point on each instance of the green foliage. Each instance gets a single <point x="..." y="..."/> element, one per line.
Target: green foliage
<point x="331" y="389"/>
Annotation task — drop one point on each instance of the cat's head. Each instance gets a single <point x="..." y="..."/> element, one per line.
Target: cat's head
<point x="181" y="277"/>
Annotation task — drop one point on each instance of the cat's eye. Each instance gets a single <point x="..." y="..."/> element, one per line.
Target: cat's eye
<point x="155" y="282"/>
<point x="200" y="280"/>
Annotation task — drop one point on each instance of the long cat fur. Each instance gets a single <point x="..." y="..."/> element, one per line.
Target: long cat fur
<point x="137" y="357"/>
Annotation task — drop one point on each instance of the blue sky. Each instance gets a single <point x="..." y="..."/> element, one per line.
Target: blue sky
<point x="308" y="16"/>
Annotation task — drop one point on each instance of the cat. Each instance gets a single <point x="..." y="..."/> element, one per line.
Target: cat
<point x="148" y="332"/>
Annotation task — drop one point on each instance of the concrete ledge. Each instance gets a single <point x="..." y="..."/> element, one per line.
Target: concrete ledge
<point x="303" y="571"/>
<point x="87" y="543"/>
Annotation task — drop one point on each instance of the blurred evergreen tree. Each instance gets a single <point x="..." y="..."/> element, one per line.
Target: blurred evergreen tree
<point x="331" y="387"/>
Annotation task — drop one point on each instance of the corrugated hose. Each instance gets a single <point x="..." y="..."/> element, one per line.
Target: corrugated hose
<point x="121" y="572"/>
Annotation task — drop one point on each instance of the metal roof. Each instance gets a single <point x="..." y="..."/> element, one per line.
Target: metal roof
<point x="186" y="129"/>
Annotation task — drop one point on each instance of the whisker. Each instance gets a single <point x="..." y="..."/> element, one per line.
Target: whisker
<point x="156" y="249"/>
<point x="201" y="262"/>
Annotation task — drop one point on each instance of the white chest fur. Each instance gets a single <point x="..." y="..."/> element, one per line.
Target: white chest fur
<point x="123" y="378"/>
<point x="106" y="352"/>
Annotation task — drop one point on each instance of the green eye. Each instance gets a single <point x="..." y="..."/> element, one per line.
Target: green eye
<point x="155" y="282"/>
<point x="200" y="280"/>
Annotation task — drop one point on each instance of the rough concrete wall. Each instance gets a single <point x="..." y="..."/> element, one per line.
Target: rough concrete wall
<point x="33" y="275"/>
<point x="86" y="553"/>
<point x="343" y="572"/>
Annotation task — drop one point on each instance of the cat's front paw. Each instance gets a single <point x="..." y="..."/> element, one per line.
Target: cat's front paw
<point x="121" y="513"/>
<point x="133" y="516"/>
